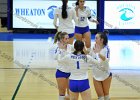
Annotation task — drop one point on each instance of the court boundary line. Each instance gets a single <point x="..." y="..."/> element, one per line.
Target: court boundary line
<point x="21" y="80"/>
<point x="12" y="68"/>
<point x="19" y="84"/>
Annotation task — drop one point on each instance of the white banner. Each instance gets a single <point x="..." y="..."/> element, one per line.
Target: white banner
<point x="39" y="13"/>
<point x="122" y="15"/>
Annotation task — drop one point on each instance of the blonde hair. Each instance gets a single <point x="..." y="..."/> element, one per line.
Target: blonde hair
<point x="59" y="36"/>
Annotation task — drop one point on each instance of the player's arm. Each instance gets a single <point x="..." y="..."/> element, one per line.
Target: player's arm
<point x="63" y="59"/>
<point x="90" y="17"/>
<point x="102" y="57"/>
<point x="93" y="61"/>
<point x="105" y="55"/>
<point x="75" y="16"/>
<point x="56" y="52"/>
<point x="92" y="53"/>
<point x="55" y="19"/>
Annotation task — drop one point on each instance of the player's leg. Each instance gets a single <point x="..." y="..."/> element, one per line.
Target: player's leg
<point x="74" y="92"/>
<point x="86" y="95"/>
<point x="78" y="36"/>
<point x="106" y="87"/>
<point x="62" y="86"/>
<point x="67" y="96"/>
<point x="71" y="38"/>
<point x="84" y="89"/>
<point x="87" y="37"/>
<point x="74" y="95"/>
<point x="78" y="33"/>
<point x="62" y="82"/>
<point x="99" y="89"/>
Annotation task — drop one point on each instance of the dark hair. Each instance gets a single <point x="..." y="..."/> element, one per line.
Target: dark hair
<point x="77" y="3"/>
<point x="103" y="35"/>
<point x="59" y="35"/>
<point x="79" y="46"/>
<point x="64" y="11"/>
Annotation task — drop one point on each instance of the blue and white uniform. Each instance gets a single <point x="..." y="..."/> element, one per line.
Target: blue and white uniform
<point x="63" y="71"/>
<point x="78" y="67"/>
<point x="100" y="73"/>
<point x="83" y="15"/>
<point x="65" y="25"/>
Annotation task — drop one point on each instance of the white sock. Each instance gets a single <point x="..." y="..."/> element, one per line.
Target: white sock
<point x="61" y="98"/>
<point x="101" y="98"/>
<point x="107" y="97"/>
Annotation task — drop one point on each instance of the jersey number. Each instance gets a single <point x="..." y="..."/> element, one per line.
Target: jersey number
<point x="82" y="18"/>
<point x="78" y="67"/>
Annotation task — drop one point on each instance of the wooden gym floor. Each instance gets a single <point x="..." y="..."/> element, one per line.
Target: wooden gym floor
<point x="18" y="83"/>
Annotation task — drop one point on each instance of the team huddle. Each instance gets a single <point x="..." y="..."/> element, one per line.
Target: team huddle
<point x="75" y="60"/>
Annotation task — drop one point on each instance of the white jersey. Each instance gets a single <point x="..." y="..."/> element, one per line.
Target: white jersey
<point x="78" y="65"/>
<point x="83" y="16"/>
<point x="65" y="25"/>
<point x="102" y="72"/>
<point x="62" y="52"/>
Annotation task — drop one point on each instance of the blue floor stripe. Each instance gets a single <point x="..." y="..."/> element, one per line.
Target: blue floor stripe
<point x="10" y="36"/>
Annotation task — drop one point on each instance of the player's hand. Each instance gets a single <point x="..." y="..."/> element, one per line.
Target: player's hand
<point x="97" y="22"/>
<point x="76" y="8"/>
<point x="96" y="48"/>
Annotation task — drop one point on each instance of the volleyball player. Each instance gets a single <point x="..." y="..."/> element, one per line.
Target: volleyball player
<point x="101" y="74"/>
<point x="62" y="73"/>
<point x="78" y="63"/>
<point x="65" y="14"/>
<point x="82" y="27"/>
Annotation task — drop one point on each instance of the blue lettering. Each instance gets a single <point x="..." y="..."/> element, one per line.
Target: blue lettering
<point x="17" y="11"/>
<point x="30" y="12"/>
<point x="22" y="11"/>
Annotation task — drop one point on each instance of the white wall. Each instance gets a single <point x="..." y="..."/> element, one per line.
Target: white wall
<point x="124" y="54"/>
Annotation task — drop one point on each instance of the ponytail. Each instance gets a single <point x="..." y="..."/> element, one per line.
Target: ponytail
<point x="79" y="46"/>
<point x="59" y="35"/>
<point x="56" y="37"/>
<point x="77" y="3"/>
<point x="106" y="32"/>
<point x="64" y="11"/>
<point x="104" y="36"/>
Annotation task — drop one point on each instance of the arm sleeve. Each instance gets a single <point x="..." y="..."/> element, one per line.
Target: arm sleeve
<point x="56" y="53"/>
<point x="72" y="48"/>
<point x="52" y="50"/>
<point x="88" y="11"/>
<point x="55" y="17"/>
<point x="63" y="59"/>
<point x="75" y="16"/>
<point x="91" y="53"/>
<point x="106" y="53"/>
<point x="93" y="61"/>
<point x="90" y="17"/>
<point x="59" y="53"/>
